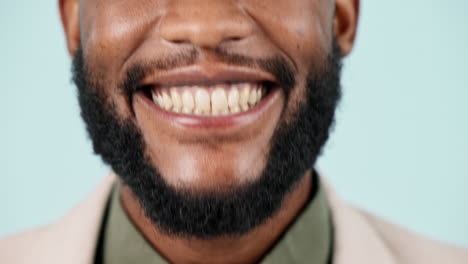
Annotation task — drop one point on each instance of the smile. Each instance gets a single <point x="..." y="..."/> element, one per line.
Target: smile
<point x="214" y="100"/>
<point x="210" y="97"/>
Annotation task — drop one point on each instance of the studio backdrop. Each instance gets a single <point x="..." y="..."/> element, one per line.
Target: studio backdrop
<point x="399" y="147"/>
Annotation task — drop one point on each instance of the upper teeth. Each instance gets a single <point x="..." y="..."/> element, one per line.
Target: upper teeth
<point x="209" y="100"/>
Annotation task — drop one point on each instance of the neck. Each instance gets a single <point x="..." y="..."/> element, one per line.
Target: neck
<point x="248" y="248"/>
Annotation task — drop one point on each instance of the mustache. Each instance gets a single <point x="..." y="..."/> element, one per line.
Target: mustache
<point x="275" y="65"/>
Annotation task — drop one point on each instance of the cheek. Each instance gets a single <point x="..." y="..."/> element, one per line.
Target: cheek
<point x="110" y="31"/>
<point x="115" y="27"/>
<point x="301" y="28"/>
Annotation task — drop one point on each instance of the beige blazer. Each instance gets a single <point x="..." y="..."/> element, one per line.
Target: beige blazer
<point x="360" y="238"/>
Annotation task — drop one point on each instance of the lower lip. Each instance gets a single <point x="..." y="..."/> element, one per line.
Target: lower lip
<point x="192" y="121"/>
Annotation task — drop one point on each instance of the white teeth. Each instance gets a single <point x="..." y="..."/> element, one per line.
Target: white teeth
<point x="176" y="101"/>
<point x="235" y="110"/>
<point x="160" y="99"/>
<point x="253" y="98"/>
<point x="233" y="100"/>
<point x="155" y="98"/>
<point x="217" y="100"/>
<point x="167" y="102"/>
<point x="202" y="102"/>
<point x="244" y="97"/>
<point x="187" y="101"/>
<point x="259" y="94"/>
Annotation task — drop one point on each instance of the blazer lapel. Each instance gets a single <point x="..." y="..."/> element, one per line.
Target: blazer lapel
<point x="80" y="228"/>
<point x="356" y="240"/>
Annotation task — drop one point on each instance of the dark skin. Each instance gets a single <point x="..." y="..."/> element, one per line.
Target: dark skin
<point x="116" y="34"/>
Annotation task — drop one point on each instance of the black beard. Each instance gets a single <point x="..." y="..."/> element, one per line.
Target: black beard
<point x="295" y="147"/>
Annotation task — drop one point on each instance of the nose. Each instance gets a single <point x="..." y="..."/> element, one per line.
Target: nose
<point x="204" y="23"/>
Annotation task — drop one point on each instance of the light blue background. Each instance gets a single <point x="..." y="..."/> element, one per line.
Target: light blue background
<point x="400" y="147"/>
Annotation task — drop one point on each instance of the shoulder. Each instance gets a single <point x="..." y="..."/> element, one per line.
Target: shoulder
<point x="361" y="237"/>
<point x="409" y="247"/>
<point x="28" y="247"/>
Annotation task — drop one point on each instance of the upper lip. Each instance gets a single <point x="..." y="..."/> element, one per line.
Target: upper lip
<point x="206" y="75"/>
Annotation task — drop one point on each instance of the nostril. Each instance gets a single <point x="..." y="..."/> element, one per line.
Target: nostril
<point x="204" y="29"/>
<point x="235" y="39"/>
<point x="179" y="41"/>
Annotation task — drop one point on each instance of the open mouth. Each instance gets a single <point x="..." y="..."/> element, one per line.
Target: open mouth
<point x="212" y="96"/>
<point x="212" y="100"/>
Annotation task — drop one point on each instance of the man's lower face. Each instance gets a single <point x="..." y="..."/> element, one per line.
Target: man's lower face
<point x="217" y="158"/>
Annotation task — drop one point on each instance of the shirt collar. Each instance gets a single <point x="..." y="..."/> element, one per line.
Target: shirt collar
<point x="308" y="239"/>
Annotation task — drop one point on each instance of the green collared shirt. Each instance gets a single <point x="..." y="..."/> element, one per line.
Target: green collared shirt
<point x="307" y="240"/>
